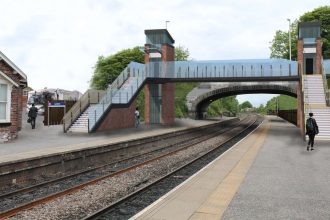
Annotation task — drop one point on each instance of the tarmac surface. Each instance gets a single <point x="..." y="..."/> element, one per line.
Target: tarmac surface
<point x="268" y="175"/>
<point x="285" y="181"/>
<point x="46" y="140"/>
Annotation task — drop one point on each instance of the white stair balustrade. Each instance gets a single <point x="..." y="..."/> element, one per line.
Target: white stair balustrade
<point x="315" y="102"/>
<point x="81" y="124"/>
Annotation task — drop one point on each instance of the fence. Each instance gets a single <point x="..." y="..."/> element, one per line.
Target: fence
<point x="288" y="115"/>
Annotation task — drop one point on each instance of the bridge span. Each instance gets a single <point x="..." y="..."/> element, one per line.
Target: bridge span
<point x="116" y="108"/>
<point x="199" y="99"/>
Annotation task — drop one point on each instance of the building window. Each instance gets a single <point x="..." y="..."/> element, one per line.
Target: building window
<point x="25" y="93"/>
<point x="3" y="101"/>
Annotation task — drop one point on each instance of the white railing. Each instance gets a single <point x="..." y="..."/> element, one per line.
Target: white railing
<point x="133" y="76"/>
<point x="119" y="92"/>
<point x="222" y="69"/>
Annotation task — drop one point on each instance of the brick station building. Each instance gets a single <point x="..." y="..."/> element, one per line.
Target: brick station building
<point x="12" y="82"/>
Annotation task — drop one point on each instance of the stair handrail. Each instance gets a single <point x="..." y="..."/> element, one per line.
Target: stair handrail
<point x="114" y="89"/>
<point x="325" y="85"/>
<point x="303" y="104"/>
<point x="90" y="96"/>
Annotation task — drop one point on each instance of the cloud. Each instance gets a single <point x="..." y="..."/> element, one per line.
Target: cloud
<point x="56" y="43"/>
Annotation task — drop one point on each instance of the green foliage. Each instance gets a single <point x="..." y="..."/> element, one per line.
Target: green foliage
<point x="284" y="102"/>
<point x="108" y="68"/>
<point x="262" y="109"/>
<point x="216" y="108"/>
<point x="220" y="106"/>
<point x="181" y="53"/>
<point x="180" y="92"/>
<point x="245" y="105"/>
<point x="280" y="43"/>
<point x="140" y="104"/>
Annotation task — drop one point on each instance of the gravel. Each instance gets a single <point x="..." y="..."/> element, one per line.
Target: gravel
<point x="94" y="197"/>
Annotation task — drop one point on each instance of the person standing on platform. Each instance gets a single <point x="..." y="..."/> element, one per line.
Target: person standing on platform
<point x="33" y="112"/>
<point x="311" y="130"/>
<point x="137" y="117"/>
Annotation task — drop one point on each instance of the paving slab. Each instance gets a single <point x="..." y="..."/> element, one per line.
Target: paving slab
<point x="285" y="181"/>
<point x="202" y="197"/>
<point x="268" y="175"/>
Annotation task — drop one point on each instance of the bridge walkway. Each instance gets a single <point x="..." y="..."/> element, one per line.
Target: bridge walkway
<point x="268" y="175"/>
<point x="125" y="88"/>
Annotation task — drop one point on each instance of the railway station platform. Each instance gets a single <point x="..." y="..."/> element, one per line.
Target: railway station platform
<point x="267" y="175"/>
<point x="45" y="141"/>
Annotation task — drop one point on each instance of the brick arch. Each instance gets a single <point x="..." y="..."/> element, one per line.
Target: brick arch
<point x="200" y="104"/>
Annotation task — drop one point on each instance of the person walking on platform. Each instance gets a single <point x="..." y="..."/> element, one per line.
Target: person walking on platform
<point x="137" y="117"/>
<point x="33" y="112"/>
<point x="311" y="130"/>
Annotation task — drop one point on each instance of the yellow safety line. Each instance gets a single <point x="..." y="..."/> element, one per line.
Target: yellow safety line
<point x="317" y="106"/>
<point x="216" y="204"/>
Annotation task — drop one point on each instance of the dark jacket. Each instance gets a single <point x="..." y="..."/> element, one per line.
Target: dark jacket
<point x="33" y="112"/>
<point x="315" y="127"/>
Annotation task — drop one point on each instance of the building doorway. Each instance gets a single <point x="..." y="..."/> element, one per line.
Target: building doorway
<point x="309" y="66"/>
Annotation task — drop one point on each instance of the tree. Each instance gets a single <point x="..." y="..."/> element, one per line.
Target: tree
<point x="284" y="102"/>
<point x="280" y="43"/>
<point x="181" y="90"/>
<point x="181" y="53"/>
<point x="262" y="109"/>
<point x="245" y="105"/>
<point x="107" y="69"/>
<point x="226" y="104"/>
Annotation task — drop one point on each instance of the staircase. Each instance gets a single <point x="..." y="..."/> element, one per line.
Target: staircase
<point x="78" y="114"/>
<point x="81" y="124"/>
<point x="121" y="92"/>
<point x="315" y="101"/>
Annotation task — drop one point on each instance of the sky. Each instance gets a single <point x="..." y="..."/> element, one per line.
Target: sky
<point x="57" y="43"/>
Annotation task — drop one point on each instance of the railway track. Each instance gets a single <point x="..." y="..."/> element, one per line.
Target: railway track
<point x="169" y="149"/>
<point x="134" y="201"/>
<point x="36" y="171"/>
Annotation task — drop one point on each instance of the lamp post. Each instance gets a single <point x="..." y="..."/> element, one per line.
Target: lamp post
<point x="288" y="19"/>
<point x="166" y="24"/>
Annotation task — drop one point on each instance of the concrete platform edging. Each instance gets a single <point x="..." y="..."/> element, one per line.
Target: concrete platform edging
<point x="65" y="163"/>
<point x="142" y="214"/>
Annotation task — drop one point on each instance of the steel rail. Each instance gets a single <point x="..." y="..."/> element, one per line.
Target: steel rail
<point x="53" y="196"/>
<point x="174" y="135"/>
<point x="122" y="200"/>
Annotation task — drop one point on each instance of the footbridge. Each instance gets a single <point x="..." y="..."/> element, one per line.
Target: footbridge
<point x="199" y="99"/>
<point x="159" y="72"/>
<point x="124" y="90"/>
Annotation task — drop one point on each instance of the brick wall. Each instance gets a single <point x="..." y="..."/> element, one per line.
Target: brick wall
<point x="299" y="108"/>
<point x="300" y="49"/>
<point x="168" y="106"/>
<point x="168" y="52"/>
<point x="119" y="118"/>
<point x="300" y="58"/>
<point x="24" y="101"/>
<point x="167" y="116"/>
<point x="10" y="130"/>
<point x="147" y="104"/>
<point x="168" y="103"/>
<point x="146" y="90"/>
